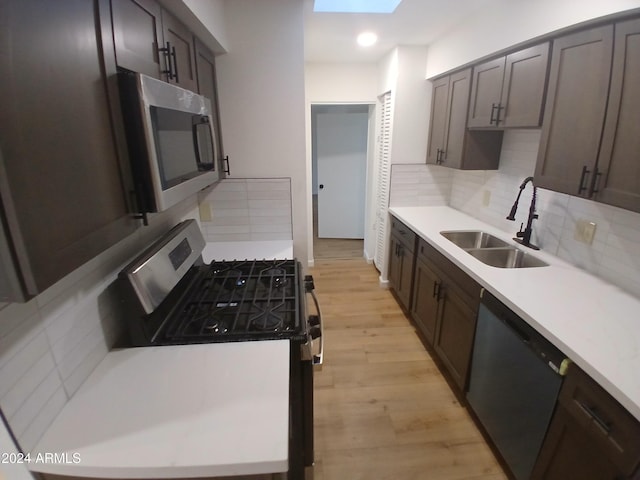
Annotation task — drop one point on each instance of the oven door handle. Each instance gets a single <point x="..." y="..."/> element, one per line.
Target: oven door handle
<point x="319" y="358"/>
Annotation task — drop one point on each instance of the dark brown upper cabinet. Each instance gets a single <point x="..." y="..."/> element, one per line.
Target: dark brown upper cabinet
<point x="137" y="35"/>
<point x="150" y="40"/>
<point x="616" y="178"/>
<point x="591" y="134"/>
<point x="64" y="178"/>
<point x="509" y="91"/>
<point x="450" y="143"/>
<point x="178" y="40"/>
<point x="207" y="86"/>
<point x="574" y="110"/>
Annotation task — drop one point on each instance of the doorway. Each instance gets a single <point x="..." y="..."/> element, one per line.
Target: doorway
<point x="339" y="165"/>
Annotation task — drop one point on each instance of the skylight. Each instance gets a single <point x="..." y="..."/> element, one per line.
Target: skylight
<point x="355" y="6"/>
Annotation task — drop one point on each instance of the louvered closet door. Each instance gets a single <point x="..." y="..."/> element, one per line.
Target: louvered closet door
<point x="384" y="176"/>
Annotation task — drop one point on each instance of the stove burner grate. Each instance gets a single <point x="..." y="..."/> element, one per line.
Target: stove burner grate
<point x="253" y="298"/>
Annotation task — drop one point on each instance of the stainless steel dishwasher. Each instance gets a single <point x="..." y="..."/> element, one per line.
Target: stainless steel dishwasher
<point x="514" y="383"/>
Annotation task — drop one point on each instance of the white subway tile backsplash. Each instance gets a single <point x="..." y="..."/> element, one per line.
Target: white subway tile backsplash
<point x="615" y="252"/>
<point x="47" y="414"/>
<point x="19" y="350"/>
<point x="248" y="203"/>
<point x="29" y="410"/>
<point x="26" y="384"/>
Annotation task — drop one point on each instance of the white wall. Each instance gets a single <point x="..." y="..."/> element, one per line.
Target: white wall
<point x="510" y="22"/>
<point x="328" y="83"/>
<point x="341" y="82"/>
<point x="261" y="91"/>
<point x="411" y="106"/>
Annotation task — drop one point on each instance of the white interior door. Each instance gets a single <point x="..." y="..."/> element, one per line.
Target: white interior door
<point x="341" y="147"/>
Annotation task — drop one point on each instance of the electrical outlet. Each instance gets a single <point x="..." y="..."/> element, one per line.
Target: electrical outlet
<point x="585" y="231"/>
<point x="486" y="198"/>
<point x="205" y="212"/>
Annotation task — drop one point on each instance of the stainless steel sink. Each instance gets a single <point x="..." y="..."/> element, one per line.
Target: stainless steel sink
<point x="506" y="257"/>
<point x="467" y="239"/>
<point x="491" y="250"/>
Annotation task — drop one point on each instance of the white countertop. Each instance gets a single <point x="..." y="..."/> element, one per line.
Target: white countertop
<point x="268" y="249"/>
<point x="177" y="411"/>
<point x="595" y="324"/>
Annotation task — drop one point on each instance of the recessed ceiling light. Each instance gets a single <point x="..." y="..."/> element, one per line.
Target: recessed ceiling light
<point x="366" y="39"/>
<point x="355" y="6"/>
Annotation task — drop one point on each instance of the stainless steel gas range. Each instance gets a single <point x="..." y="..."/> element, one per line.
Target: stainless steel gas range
<point x="170" y="297"/>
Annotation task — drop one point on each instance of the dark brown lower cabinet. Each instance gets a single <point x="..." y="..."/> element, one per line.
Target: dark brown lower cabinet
<point x="425" y="300"/>
<point x="445" y="307"/>
<point x="63" y="155"/>
<point x="591" y="436"/>
<point x="401" y="261"/>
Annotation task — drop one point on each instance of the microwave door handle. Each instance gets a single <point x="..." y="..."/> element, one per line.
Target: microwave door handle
<point x="196" y="145"/>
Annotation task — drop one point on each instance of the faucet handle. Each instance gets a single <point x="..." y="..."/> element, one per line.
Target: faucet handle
<point x="520" y="233"/>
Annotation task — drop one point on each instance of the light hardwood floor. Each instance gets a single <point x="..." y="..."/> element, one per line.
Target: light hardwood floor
<point x="383" y="410"/>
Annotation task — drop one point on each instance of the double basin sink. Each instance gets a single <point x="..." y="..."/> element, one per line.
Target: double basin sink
<point x="491" y="250"/>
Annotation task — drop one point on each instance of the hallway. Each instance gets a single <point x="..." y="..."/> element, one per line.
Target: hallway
<point x="383" y="410"/>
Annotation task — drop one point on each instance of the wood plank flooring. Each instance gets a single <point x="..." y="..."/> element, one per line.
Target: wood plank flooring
<point x="382" y="409"/>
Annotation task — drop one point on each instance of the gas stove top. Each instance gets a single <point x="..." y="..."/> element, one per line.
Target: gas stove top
<point x="172" y="297"/>
<point x="239" y="300"/>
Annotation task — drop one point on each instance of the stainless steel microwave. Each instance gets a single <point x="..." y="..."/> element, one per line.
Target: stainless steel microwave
<point x="172" y="145"/>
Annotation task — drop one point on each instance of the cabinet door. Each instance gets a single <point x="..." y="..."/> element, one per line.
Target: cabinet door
<point x="525" y="78"/>
<point x="456" y="124"/>
<point x="424" y="310"/>
<point x="486" y="92"/>
<point x="62" y="188"/>
<point x="207" y="86"/>
<point x="574" y="110"/>
<point x="180" y="38"/>
<point x="437" y="124"/>
<point x="568" y="453"/>
<point x="136" y="32"/>
<point x="401" y="271"/>
<point x="619" y="161"/>
<point x="454" y="335"/>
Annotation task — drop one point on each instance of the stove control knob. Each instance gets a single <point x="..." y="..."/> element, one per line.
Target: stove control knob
<point x="315" y="332"/>
<point x="314" y="320"/>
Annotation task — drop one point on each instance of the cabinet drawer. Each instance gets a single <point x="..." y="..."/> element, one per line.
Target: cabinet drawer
<point x="611" y="427"/>
<point x="468" y="286"/>
<point x="404" y="234"/>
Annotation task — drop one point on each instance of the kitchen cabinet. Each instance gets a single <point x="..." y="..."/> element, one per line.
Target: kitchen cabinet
<point x="450" y="143"/>
<point x="179" y="41"/>
<point x="591" y="436"/>
<point x="445" y="306"/>
<point x="594" y="93"/>
<point x="137" y="30"/>
<point x="574" y="110"/>
<point x="401" y="261"/>
<point x="508" y="91"/>
<point x="149" y="40"/>
<point x="63" y="154"/>
<point x="617" y="173"/>
<point x="207" y="86"/>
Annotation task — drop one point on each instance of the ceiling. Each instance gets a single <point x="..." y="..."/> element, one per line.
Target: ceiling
<point x="331" y="37"/>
